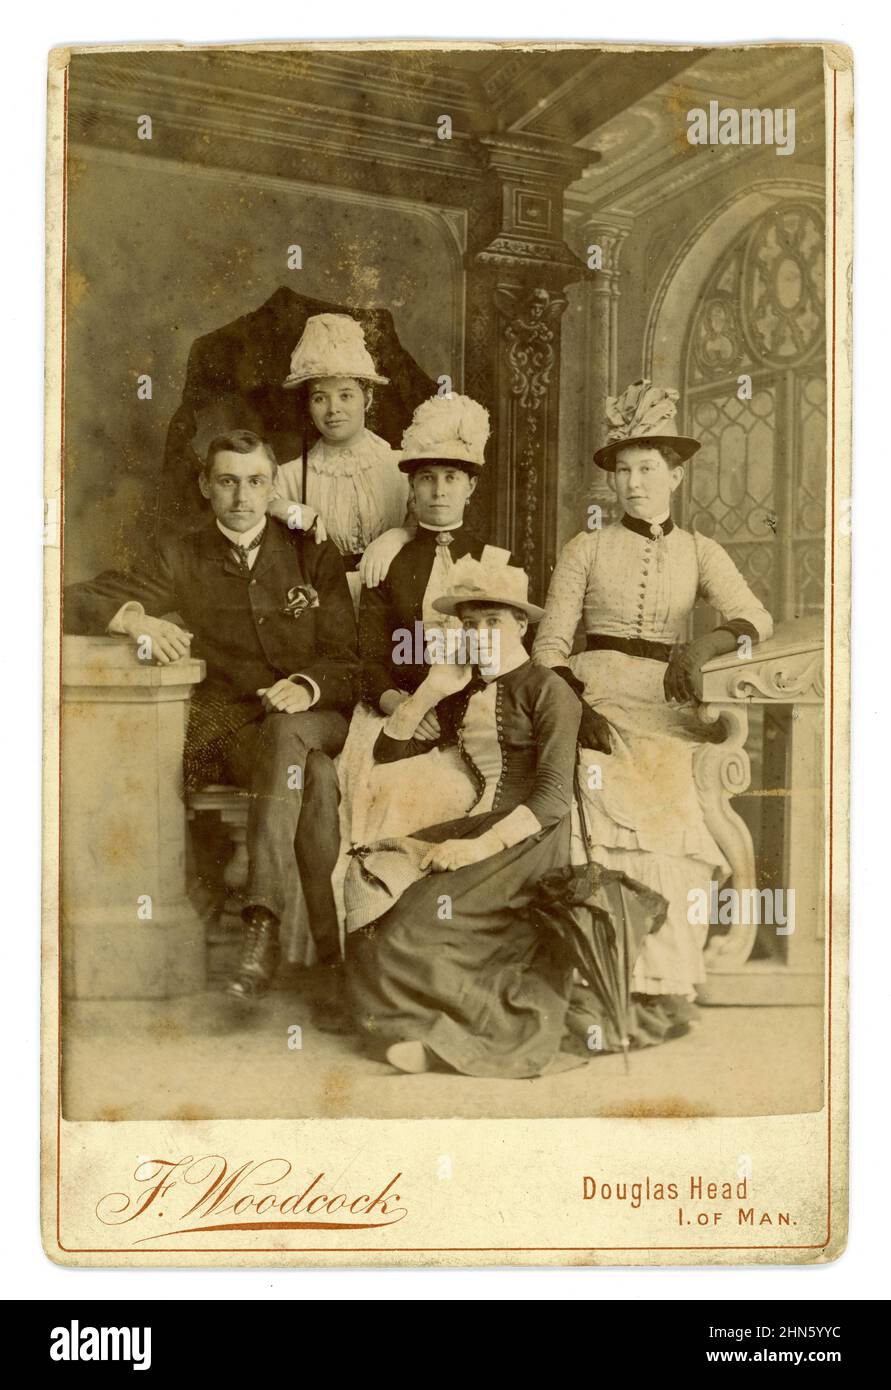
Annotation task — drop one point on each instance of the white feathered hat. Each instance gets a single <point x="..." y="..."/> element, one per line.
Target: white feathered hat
<point x="332" y="345"/>
<point x="446" y="429"/>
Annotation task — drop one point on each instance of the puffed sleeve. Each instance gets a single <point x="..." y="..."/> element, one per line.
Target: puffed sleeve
<point x="565" y="601"/>
<point x="722" y="586"/>
<point x="287" y="481"/>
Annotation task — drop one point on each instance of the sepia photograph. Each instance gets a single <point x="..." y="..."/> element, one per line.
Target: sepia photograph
<point x="443" y="542"/>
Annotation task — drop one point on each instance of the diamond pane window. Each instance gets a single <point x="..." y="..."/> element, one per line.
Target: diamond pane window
<point x="757" y="484"/>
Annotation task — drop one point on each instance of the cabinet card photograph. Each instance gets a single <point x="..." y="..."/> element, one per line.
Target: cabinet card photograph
<point x="447" y="627"/>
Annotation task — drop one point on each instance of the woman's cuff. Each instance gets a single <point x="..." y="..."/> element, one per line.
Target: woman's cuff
<point x="517" y="825"/>
<point x="116" y="626"/>
<point x="403" y="722"/>
<point x="312" y="686"/>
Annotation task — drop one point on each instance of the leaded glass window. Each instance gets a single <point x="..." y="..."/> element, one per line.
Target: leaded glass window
<point x="757" y="484"/>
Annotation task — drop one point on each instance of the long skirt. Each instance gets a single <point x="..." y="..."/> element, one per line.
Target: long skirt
<point x="456" y="963"/>
<point x="643" y="811"/>
<point x="380" y="800"/>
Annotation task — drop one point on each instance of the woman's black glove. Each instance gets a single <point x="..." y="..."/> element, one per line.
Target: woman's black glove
<point x="594" y="729"/>
<point x="683" y="676"/>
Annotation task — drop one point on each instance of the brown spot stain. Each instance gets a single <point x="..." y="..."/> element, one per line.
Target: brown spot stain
<point x="165" y="1029"/>
<point x="77" y="285"/>
<point x="671" y="1108"/>
<point x="75" y="172"/>
<point x="679" y="100"/>
<point x="112" y="1113"/>
<point x="336" y="1089"/>
<point x="191" y="1112"/>
<point x="119" y="845"/>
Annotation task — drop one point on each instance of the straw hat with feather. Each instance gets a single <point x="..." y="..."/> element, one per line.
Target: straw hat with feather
<point x="644" y="416"/>
<point x="488" y="581"/>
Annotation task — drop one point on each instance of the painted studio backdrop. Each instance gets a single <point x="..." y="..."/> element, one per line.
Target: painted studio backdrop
<point x="535" y="230"/>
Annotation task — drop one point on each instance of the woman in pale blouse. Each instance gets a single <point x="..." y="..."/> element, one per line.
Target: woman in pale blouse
<point x="356" y="495"/>
<point x="635" y="584"/>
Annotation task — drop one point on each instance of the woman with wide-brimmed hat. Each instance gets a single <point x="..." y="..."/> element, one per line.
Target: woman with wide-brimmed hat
<point x="446" y="967"/>
<point x="348" y="486"/>
<point x="635" y="584"/>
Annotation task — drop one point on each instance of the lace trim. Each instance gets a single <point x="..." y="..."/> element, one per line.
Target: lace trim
<point x="369" y="451"/>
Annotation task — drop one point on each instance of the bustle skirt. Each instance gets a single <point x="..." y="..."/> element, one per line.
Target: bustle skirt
<point x="643" y="810"/>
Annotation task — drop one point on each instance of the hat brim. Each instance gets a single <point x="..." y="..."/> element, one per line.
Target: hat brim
<point x="291" y="383"/>
<point x="408" y="465"/>
<point x="450" y="606"/>
<point x="681" y="444"/>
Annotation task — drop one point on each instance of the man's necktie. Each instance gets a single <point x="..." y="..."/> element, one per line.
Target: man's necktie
<point x="241" y="552"/>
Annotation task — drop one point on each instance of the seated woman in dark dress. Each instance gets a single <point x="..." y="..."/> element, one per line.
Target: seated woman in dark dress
<point x="454" y="973"/>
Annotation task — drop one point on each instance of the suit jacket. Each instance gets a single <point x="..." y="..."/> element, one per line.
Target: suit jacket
<point x="397" y="603"/>
<point x="240" y="626"/>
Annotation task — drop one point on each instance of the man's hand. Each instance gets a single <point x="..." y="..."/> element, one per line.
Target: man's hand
<point x="380" y="554"/>
<point x="454" y="854"/>
<point x="298" y="517"/>
<point x="157" y="640"/>
<point x="285" y="697"/>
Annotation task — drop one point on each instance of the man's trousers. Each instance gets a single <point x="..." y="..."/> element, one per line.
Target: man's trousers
<point x="285" y="762"/>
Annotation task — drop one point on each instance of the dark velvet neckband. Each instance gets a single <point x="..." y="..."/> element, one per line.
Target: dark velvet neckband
<point x="645" y="528"/>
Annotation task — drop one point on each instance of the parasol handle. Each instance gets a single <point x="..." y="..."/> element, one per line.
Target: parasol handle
<point x="579" y="801"/>
<point x="305" y="471"/>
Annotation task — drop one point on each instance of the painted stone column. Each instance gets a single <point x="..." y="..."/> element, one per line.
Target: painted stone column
<point x="128" y="928"/>
<point x="518" y="267"/>
<point x="600" y="377"/>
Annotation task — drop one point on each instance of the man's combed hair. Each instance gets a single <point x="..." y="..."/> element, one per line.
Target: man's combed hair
<point x="237" y="442"/>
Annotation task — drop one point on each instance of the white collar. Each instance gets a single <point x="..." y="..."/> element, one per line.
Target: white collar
<point x="242" y="538"/>
<point x="426" y="527"/>
<point x="504" y="670"/>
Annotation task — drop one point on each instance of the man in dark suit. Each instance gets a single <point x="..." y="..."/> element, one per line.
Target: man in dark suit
<point x="269" y="611"/>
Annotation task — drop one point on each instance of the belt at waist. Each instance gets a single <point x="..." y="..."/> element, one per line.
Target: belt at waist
<point x="630" y="646"/>
<point x="351" y="562"/>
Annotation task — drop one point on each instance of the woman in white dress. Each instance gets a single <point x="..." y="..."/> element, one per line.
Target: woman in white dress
<point x="635" y="584"/>
<point x="355" y="491"/>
